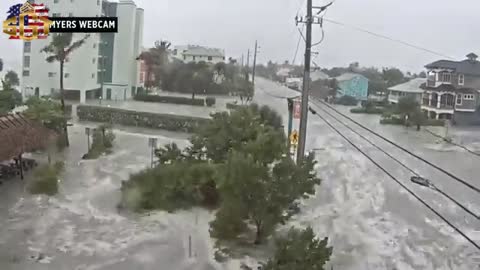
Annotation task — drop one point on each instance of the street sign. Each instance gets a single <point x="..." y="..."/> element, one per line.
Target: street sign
<point x="294" y="138"/>
<point x="297" y="110"/>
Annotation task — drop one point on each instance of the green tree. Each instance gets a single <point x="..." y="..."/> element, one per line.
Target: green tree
<point x="300" y="250"/>
<point x="407" y="106"/>
<point x="59" y="49"/>
<point x="46" y="111"/>
<point x="11" y="78"/>
<point x="9" y="99"/>
<point x="260" y="194"/>
<point x="393" y="76"/>
<point x="155" y="60"/>
<point x="169" y="153"/>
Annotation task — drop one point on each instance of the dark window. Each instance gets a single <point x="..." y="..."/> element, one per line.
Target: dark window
<point x="93" y="75"/>
<point x="459" y="99"/>
<point x="26" y="73"/>
<point x="56" y="14"/>
<point x="26" y="61"/>
<point x="210" y="58"/>
<point x="56" y="1"/>
<point x="67" y="75"/>
<point x="27" y="46"/>
<point x="51" y="74"/>
<point x="70" y="14"/>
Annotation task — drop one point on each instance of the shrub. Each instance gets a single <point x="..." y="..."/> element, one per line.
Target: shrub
<point x="103" y="138"/>
<point x="46" y="179"/>
<point x="392" y="121"/>
<point x="171" y="187"/>
<point x="347" y="100"/>
<point x="210" y="101"/>
<point x="370" y="110"/>
<point x="232" y="106"/>
<point x="170" y="99"/>
<point x="140" y="119"/>
<point x="395" y="120"/>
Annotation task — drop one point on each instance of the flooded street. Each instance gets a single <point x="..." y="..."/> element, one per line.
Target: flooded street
<point x="371" y="222"/>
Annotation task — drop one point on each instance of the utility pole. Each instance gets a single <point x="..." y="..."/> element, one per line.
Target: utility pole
<point x="248" y="65"/>
<point x="254" y="64"/>
<point x="306" y="84"/>
<point x="309" y="20"/>
<point x="243" y="60"/>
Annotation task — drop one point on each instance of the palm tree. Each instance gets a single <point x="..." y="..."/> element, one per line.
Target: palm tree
<point x="155" y="59"/>
<point x="59" y="50"/>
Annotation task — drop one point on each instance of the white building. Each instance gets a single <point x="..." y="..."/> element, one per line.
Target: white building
<point x="194" y="53"/>
<point x="107" y="58"/>
<point x="409" y="89"/>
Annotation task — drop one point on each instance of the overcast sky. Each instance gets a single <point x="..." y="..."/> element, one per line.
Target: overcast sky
<point x="449" y="27"/>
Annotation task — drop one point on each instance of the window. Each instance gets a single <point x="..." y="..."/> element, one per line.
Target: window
<point x="27" y="46"/>
<point x="55" y="1"/>
<point x="70" y="14"/>
<point x="459" y="99"/>
<point x="94" y="60"/>
<point x="445" y="77"/>
<point x="98" y="2"/>
<point x="93" y="75"/>
<point x="52" y="91"/>
<point x="67" y="75"/>
<point x="51" y="74"/>
<point x="461" y="79"/>
<point x="26" y="61"/>
<point x="210" y="58"/>
<point x="468" y="97"/>
<point x="94" y="45"/>
<point x="56" y="14"/>
<point x="26" y="73"/>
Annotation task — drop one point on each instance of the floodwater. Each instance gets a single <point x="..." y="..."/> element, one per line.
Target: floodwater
<point x="371" y="222"/>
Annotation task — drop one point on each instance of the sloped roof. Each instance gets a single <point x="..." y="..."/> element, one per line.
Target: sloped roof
<point x="203" y="51"/>
<point x="318" y="75"/>
<point x="19" y="135"/>
<point x="348" y="76"/>
<point x="465" y="66"/>
<point x="412" y="86"/>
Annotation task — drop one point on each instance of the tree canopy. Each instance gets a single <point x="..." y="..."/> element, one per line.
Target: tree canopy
<point x="11" y="79"/>
<point x="300" y="250"/>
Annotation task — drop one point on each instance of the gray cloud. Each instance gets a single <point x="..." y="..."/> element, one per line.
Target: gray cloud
<point x="445" y="26"/>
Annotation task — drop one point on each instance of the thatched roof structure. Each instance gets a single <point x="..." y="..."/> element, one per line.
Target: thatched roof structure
<point x="19" y="135"/>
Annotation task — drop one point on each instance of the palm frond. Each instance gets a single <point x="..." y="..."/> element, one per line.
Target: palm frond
<point x="77" y="44"/>
<point x="52" y="58"/>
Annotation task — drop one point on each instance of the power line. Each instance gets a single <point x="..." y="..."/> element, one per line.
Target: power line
<point x="388" y="38"/>
<point x="405" y="150"/>
<point x="400" y="183"/>
<point x="453" y="143"/>
<point x="298" y="46"/>
<point x="399" y="162"/>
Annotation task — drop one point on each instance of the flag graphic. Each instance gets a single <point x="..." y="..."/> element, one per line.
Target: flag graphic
<point x="30" y="22"/>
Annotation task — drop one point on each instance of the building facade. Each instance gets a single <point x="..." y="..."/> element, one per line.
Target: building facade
<point x="194" y="53"/>
<point x="452" y="90"/>
<point x="410" y="89"/>
<point x="105" y="65"/>
<point x="352" y="84"/>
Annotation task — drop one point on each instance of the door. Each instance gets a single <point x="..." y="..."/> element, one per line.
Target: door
<point x="109" y="94"/>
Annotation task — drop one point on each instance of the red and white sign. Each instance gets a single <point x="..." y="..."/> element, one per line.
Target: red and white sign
<point x="297" y="110"/>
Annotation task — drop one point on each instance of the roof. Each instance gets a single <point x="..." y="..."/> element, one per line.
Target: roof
<point x="318" y="75"/>
<point x="412" y="86"/>
<point x="348" y="76"/>
<point x="201" y="51"/>
<point x="447" y="88"/>
<point x="19" y="135"/>
<point x="465" y="66"/>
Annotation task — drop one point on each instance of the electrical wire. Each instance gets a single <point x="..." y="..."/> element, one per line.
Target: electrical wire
<point x="388" y="38"/>
<point x="298" y="47"/>
<point x="404" y="149"/>
<point x="400" y="183"/>
<point x="453" y="143"/>
<point x="399" y="162"/>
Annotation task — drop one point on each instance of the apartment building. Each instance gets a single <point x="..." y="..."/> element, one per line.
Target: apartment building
<point x="104" y="66"/>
